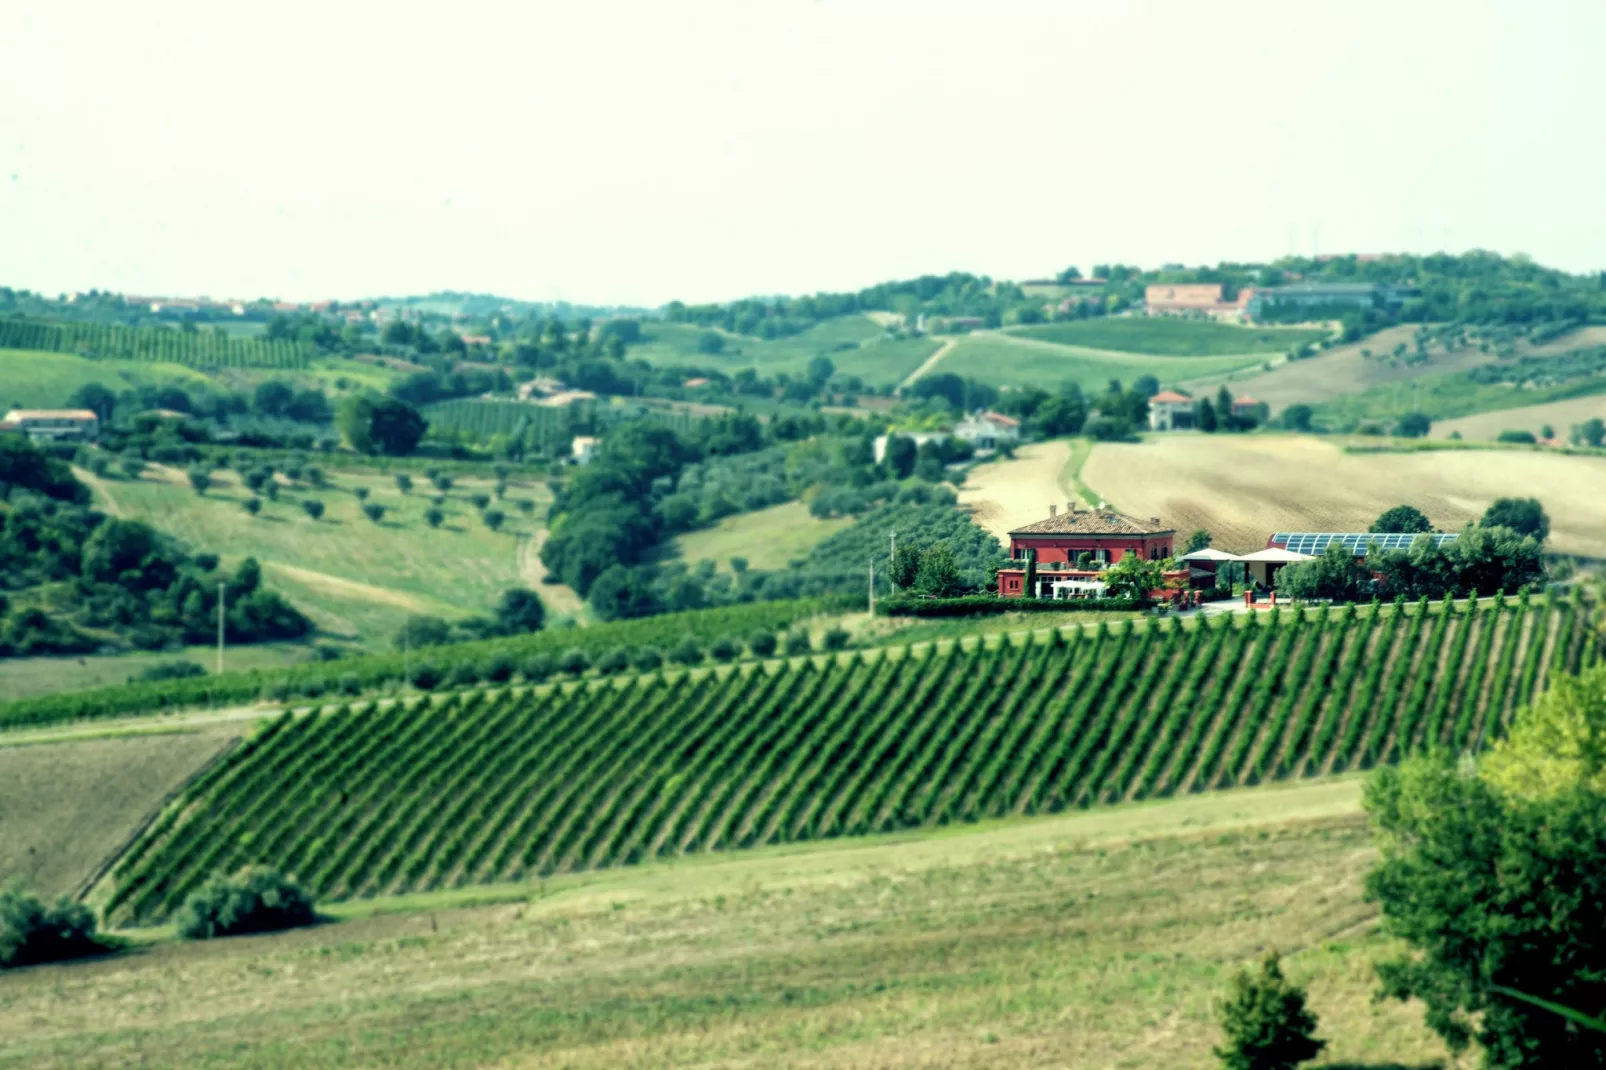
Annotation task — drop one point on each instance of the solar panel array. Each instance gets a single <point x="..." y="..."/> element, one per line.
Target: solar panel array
<point x="1313" y="543"/>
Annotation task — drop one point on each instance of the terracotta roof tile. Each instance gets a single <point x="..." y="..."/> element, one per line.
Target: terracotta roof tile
<point x="1094" y="522"/>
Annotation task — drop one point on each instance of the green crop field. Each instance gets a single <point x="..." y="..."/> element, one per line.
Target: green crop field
<point x="354" y="578"/>
<point x="40" y="379"/>
<point x="196" y="349"/>
<point x="491" y="786"/>
<point x="768" y="538"/>
<point x="1166" y="336"/>
<point x="864" y="351"/>
<point x="1008" y="360"/>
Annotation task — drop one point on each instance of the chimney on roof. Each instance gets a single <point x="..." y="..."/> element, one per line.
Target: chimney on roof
<point x="1154" y="520"/>
<point x="1053" y="511"/>
<point x="1070" y="506"/>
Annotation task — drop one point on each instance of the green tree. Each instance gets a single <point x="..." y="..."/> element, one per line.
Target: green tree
<point x="1413" y="425"/>
<point x="1557" y="744"/>
<point x="1592" y="432"/>
<point x="1336" y="574"/>
<point x="200" y="479"/>
<point x="32" y="933"/>
<point x="385" y="425"/>
<point x="1525" y="516"/>
<point x="1492" y="892"/>
<point x="1133" y="577"/>
<point x="404" y="482"/>
<point x="1266" y="1023"/>
<point x="254" y="900"/>
<point x="96" y="398"/>
<point x="252" y="505"/>
<point x="1401" y="518"/>
<point x="493" y="519"/>
<point x="374" y="511"/>
<point x="1298" y="417"/>
<point x="900" y="456"/>
<point x="1200" y="539"/>
<point x="905" y="566"/>
<point x="1204" y="415"/>
<point x="938" y="575"/>
<point x="433" y="516"/>
<point x="520" y="611"/>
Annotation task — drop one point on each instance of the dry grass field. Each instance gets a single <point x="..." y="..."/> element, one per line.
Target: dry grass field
<point x="1560" y="415"/>
<point x="1244" y="487"/>
<point x="1092" y="940"/>
<point x="1006" y="494"/>
<point x="64" y="806"/>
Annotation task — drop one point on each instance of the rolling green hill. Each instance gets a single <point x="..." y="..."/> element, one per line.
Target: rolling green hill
<point x="1012" y="360"/>
<point x="491" y="786"/>
<point x="856" y="344"/>
<point x="190" y="348"/>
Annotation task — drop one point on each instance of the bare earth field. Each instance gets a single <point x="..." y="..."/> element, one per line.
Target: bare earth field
<point x="1088" y="940"/>
<point x="65" y="806"/>
<point x="1244" y="487"/>
<point x="1560" y="415"/>
<point x="1006" y="494"/>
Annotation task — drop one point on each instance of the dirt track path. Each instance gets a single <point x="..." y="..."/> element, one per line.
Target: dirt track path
<point x="557" y="597"/>
<point x="103" y="493"/>
<point x="930" y="362"/>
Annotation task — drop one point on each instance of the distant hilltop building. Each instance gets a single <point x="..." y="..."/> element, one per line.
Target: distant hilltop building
<point x="1196" y="299"/>
<point x="48" y="424"/>
<point x="1359" y="295"/>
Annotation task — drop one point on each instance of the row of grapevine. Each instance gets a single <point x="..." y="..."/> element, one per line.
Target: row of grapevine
<point x="520" y="782"/>
<point x="312" y="679"/>
<point x="198" y="349"/>
<point x="481" y="418"/>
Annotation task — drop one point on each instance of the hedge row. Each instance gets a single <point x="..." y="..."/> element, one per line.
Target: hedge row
<point x="311" y="679"/>
<point x="980" y="604"/>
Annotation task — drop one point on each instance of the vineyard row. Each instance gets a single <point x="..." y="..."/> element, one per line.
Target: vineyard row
<point x="506" y="785"/>
<point x="194" y="349"/>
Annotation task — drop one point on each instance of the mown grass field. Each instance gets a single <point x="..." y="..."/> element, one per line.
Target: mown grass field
<point x="1560" y="416"/>
<point x="1245" y="487"/>
<point x="24" y="677"/>
<point x="876" y="360"/>
<point x="517" y="784"/>
<point x="66" y="806"/>
<point x="356" y="579"/>
<point x="1165" y="336"/>
<point x="1012" y="360"/>
<point x="767" y="538"/>
<point x="1101" y="939"/>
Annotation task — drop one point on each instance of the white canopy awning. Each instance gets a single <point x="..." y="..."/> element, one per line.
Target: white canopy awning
<point x="1276" y="555"/>
<point x="1209" y="554"/>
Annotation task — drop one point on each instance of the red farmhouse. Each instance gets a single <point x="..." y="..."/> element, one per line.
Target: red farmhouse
<point x="1106" y="536"/>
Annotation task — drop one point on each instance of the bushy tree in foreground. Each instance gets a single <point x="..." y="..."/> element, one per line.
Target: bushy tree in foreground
<point x="1401" y="518"/>
<point x="1266" y="1024"/>
<point x="32" y="933"/>
<point x="254" y="900"/>
<point x="1495" y="879"/>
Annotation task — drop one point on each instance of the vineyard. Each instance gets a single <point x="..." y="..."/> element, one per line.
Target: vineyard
<point x="504" y="785"/>
<point x="311" y="679"/>
<point x="196" y="350"/>
<point x="480" y="418"/>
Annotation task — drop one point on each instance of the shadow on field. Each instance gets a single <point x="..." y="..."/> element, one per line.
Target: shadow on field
<point x="1382" y="1066"/>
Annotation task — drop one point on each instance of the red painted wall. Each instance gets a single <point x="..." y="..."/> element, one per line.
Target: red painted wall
<point x="1052" y="548"/>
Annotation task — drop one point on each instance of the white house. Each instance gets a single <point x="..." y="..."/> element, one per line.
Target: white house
<point x="1170" y="411"/>
<point x="584" y="448"/>
<point x="988" y="430"/>
<point x="53" y="423"/>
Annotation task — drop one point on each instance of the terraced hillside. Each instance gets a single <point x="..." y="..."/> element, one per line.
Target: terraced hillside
<point x="504" y="785"/>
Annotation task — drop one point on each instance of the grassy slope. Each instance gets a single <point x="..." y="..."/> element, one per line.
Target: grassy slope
<point x="1162" y="336"/>
<point x="1443" y="397"/>
<point x="66" y="806"/>
<point x="875" y="361"/>
<point x="768" y="538"/>
<point x="1091" y="940"/>
<point x="646" y="768"/>
<point x="22" y="677"/>
<point x="354" y="578"/>
<point x="36" y="379"/>
<point x="1008" y="360"/>
<point x="1559" y="415"/>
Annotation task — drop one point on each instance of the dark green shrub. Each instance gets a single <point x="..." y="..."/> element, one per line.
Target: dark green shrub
<point x="1266" y="1024"/>
<point x="464" y="674"/>
<point x="762" y="644"/>
<point x="254" y="900"/>
<point x="798" y="642"/>
<point x="349" y="684"/>
<point x="497" y="669"/>
<point x="646" y="658"/>
<point x="426" y="676"/>
<point x="433" y="517"/>
<point x="361" y="493"/>
<point x="687" y="652"/>
<point x="537" y="667"/>
<point x="169" y="670"/>
<point x="480" y="500"/>
<point x="615" y="660"/>
<point x="574" y="661"/>
<point x="313" y="507"/>
<point x="31" y="932"/>
<point x="252" y="505"/>
<point x="724" y="648"/>
<point x="373" y="511"/>
<point x="835" y="639"/>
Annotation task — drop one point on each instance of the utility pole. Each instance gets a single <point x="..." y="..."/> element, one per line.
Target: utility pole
<point x="892" y="560"/>
<point x="221" y="589"/>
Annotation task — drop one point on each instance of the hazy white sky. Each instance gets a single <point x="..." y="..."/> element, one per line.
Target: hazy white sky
<point x="612" y="152"/>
